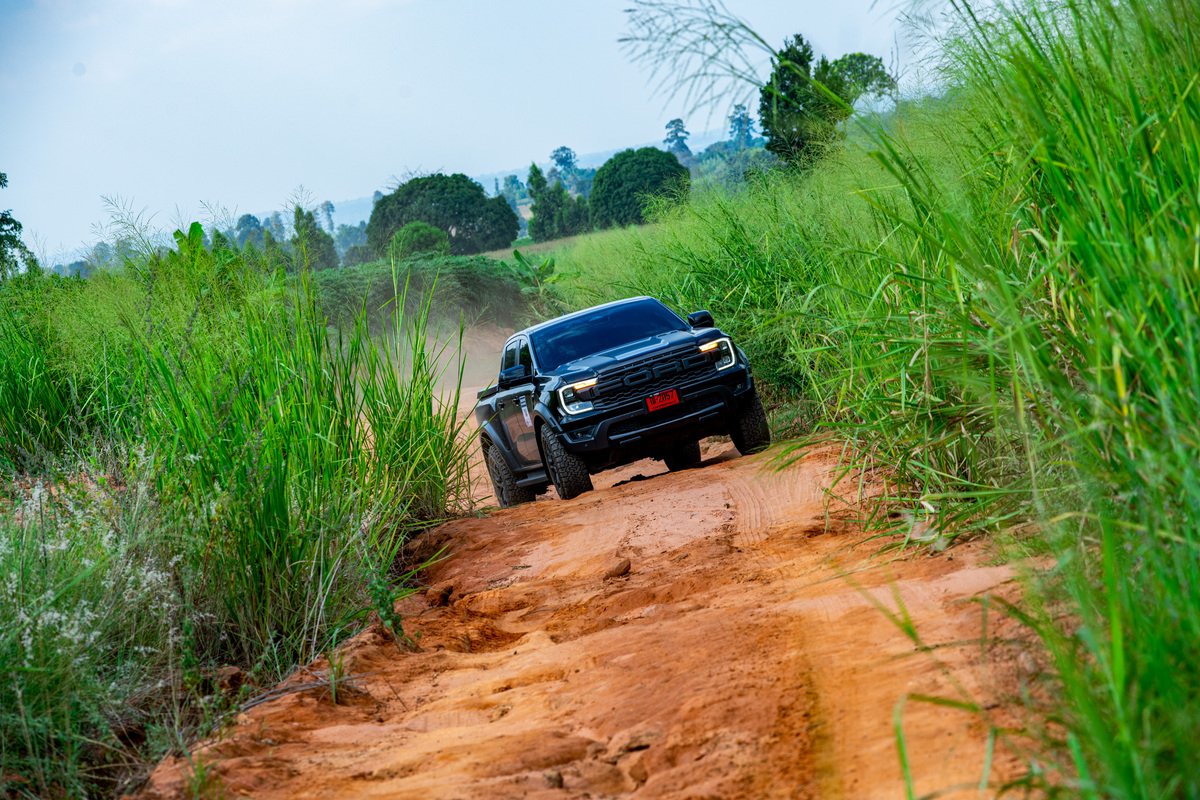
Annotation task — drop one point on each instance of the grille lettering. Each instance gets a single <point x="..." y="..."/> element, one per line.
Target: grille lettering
<point x="639" y="377"/>
<point x="679" y="369"/>
<point x="666" y="369"/>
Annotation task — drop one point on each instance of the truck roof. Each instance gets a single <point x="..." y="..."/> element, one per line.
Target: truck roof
<point x="582" y="313"/>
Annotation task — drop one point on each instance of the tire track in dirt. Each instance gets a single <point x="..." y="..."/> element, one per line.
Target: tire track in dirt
<point x="740" y="656"/>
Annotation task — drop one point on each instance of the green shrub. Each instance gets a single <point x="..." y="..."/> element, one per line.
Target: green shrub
<point x="418" y="238"/>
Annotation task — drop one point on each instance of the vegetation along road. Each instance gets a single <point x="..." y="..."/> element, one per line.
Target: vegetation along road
<point x="968" y="566"/>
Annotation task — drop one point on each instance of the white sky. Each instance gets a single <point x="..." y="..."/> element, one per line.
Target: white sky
<point x="171" y="104"/>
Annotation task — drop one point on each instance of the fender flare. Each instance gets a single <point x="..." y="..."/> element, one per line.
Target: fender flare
<point x="489" y="438"/>
<point x="542" y="418"/>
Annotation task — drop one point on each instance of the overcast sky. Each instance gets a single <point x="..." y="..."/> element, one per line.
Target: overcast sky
<point x="172" y="104"/>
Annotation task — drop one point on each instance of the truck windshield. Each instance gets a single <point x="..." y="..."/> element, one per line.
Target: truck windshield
<point x="566" y="341"/>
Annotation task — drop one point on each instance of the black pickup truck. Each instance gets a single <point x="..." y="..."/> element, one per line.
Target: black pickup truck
<point x="608" y="385"/>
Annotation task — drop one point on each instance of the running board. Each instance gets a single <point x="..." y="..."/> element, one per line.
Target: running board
<point x="533" y="479"/>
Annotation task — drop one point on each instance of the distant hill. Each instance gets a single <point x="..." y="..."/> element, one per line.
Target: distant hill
<point x="351" y="212"/>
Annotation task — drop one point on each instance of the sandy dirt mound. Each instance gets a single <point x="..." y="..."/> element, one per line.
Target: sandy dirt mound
<point x="705" y="634"/>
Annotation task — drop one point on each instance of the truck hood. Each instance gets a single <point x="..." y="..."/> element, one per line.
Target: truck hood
<point x="630" y="351"/>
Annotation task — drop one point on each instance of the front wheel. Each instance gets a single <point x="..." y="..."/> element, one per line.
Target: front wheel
<point x="566" y="471"/>
<point x="504" y="483"/>
<point x="749" y="431"/>
<point x="683" y="456"/>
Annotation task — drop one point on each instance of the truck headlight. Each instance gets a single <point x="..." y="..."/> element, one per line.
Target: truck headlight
<point x="576" y="397"/>
<point x="722" y="351"/>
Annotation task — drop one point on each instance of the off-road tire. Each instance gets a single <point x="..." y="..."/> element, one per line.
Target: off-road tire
<point x="749" y="431"/>
<point x="566" y="471"/>
<point x="504" y="483"/>
<point x="682" y="457"/>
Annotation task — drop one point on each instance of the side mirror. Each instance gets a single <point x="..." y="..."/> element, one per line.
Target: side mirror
<point x="700" y="319"/>
<point x="513" y="375"/>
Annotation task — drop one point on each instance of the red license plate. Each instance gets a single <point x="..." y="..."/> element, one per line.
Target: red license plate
<point x="662" y="400"/>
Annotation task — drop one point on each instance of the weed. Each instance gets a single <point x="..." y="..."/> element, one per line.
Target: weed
<point x="203" y="782"/>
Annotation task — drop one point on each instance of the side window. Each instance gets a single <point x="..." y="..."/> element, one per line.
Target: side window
<point x="510" y="356"/>
<point x="524" y="357"/>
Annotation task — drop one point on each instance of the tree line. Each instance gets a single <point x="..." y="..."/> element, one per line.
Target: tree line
<point x="801" y="109"/>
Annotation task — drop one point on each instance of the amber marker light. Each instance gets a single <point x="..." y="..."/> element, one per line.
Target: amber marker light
<point x="570" y="399"/>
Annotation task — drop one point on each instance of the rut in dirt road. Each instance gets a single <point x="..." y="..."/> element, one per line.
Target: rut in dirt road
<point x="737" y="654"/>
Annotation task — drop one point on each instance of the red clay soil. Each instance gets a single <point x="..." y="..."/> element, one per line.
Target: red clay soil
<point x="739" y="653"/>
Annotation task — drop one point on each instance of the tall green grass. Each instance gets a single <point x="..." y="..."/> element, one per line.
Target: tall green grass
<point x="36" y="406"/>
<point x="994" y="294"/>
<point x="201" y="472"/>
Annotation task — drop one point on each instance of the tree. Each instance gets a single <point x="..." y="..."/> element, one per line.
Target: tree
<point x="741" y="127"/>
<point x="349" y="236"/>
<point x="454" y="203"/>
<point x="273" y="252"/>
<point x="575" y="216"/>
<point x="802" y="104"/>
<point x="537" y="181"/>
<point x="311" y="245"/>
<point x="564" y="158"/>
<point x="727" y="164"/>
<point x="327" y="215"/>
<point x="861" y="74"/>
<point x="628" y="179"/>
<point x="581" y="182"/>
<point x="542" y="227"/>
<point x="248" y="231"/>
<point x="513" y="191"/>
<point x="101" y="255"/>
<point x="273" y="224"/>
<point x="555" y="213"/>
<point x="566" y="170"/>
<point x="15" y="257"/>
<point x="676" y="140"/>
<point x="418" y="237"/>
<point x="796" y="116"/>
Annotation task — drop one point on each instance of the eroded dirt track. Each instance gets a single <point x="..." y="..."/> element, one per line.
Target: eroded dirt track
<point x="741" y="655"/>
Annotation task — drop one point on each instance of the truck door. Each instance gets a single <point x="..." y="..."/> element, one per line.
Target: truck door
<point x="515" y="404"/>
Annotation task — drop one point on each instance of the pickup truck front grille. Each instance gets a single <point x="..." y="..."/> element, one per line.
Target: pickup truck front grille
<point x="674" y="369"/>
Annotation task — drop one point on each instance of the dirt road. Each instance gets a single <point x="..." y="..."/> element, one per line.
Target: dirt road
<point x="737" y="653"/>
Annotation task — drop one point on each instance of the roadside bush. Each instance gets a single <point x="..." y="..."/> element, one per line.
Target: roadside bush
<point x="418" y="238"/>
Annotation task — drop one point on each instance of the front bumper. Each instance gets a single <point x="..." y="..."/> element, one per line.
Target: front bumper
<point x="632" y="432"/>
